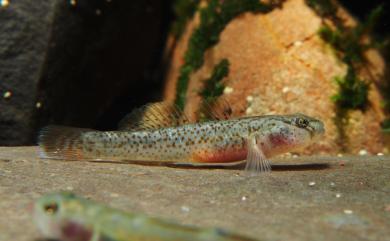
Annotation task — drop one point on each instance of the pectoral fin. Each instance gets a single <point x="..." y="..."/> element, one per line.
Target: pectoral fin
<point x="256" y="161"/>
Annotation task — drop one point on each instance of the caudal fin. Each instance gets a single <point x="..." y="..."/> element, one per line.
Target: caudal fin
<point x="60" y="142"/>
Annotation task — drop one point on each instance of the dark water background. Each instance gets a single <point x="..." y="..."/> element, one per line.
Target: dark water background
<point x="360" y="9"/>
<point x="96" y="66"/>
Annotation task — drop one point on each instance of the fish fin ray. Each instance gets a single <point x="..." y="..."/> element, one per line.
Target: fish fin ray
<point x="256" y="161"/>
<point x="219" y="109"/>
<point x="61" y="142"/>
<point x="153" y="116"/>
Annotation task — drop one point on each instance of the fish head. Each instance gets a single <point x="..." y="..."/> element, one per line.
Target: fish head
<point x="293" y="132"/>
<point x="312" y="127"/>
<point x="48" y="214"/>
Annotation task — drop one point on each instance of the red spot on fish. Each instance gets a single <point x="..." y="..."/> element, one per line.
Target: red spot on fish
<point x="30" y="207"/>
<point x="73" y="231"/>
<point x="278" y="140"/>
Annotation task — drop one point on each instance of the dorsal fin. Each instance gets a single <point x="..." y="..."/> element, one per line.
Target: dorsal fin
<point x="215" y="110"/>
<point x="153" y="116"/>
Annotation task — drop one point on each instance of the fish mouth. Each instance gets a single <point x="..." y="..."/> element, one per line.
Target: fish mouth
<point x="316" y="130"/>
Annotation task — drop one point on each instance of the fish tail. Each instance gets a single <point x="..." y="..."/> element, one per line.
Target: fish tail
<point x="60" y="142"/>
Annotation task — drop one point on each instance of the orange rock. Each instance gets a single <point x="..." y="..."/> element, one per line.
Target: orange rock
<point x="279" y="60"/>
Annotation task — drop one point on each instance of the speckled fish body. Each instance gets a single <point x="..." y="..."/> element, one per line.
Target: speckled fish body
<point x="64" y="216"/>
<point x="252" y="138"/>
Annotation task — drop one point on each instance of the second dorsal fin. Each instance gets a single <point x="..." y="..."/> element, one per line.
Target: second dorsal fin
<point x="219" y="109"/>
<point x="153" y="116"/>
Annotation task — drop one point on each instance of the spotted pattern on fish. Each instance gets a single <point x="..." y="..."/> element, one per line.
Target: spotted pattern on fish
<point x="255" y="139"/>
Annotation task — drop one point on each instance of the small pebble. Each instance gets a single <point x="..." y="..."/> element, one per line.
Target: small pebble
<point x="249" y="110"/>
<point x="338" y="195"/>
<point x="4" y="3"/>
<point x="295" y="156"/>
<point x="114" y="195"/>
<point x="348" y="211"/>
<point x="285" y="89"/>
<point x="228" y="90"/>
<point x="243" y="198"/>
<point x="7" y="94"/>
<point x="363" y="152"/>
<point x="339" y="155"/>
<point x="380" y="154"/>
<point x="342" y="163"/>
<point x="298" y="43"/>
<point x="38" y="105"/>
<point x="312" y="183"/>
<point x="69" y="188"/>
<point x="332" y="184"/>
<point x="249" y="98"/>
<point x="185" y="209"/>
<point x="73" y="2"/>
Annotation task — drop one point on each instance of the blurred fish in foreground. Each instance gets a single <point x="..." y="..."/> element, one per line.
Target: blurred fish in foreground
<point x="67" y="217"/>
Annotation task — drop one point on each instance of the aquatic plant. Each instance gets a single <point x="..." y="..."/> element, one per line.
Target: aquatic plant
<point x="212" y="89"/>
<point x="183" y="10"/>
<point x="386" y="126"/>
<point x="213" y="19"/>
<point x="350" y="45"/>
<point x="324" y="8"/>
<point x="350" y="48"/>
<point x="353" y="91"/>
<point x="213" y="86"/>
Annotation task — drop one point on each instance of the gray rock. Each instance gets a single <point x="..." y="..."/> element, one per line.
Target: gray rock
<point x="350" y="199"/>
<point x="24" y="33"/>
<point x="85" y="64"/>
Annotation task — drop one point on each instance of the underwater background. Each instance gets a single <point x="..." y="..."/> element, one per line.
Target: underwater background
<point x="88" y="63"/>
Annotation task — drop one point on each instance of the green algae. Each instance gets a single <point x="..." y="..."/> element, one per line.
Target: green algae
<point x="353" y="91"/>
<point x="183" y="10"/>
<point x="213" y="19"/>
<point x="386" y="126"/>
<point x="324" y="8"/>
<point x="349" y="46"/>
<point x="213" y="86"/>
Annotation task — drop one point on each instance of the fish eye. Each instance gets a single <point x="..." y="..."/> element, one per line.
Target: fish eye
<point x="51" y="208"/>
<point x="302" y="123"/>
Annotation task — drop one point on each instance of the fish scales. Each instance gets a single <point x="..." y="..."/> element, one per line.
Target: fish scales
<point x="255" y="139"/>
<point x="168" y="144"/>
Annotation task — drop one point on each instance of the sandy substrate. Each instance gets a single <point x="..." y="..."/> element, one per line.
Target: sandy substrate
<point x="314" y="198"/>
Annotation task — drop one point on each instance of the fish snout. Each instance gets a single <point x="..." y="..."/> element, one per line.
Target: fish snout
<point x="318" y="129"/>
